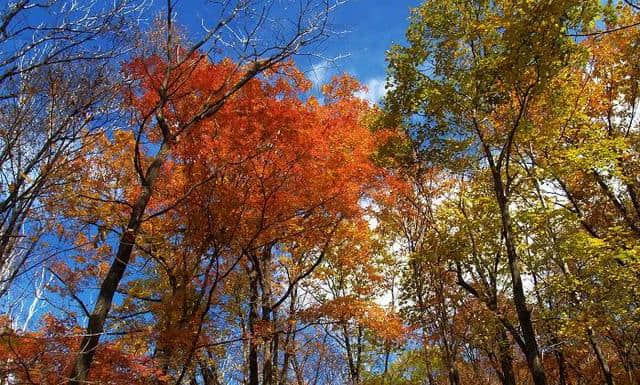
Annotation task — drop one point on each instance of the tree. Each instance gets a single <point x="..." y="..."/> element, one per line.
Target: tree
<point x="161" y="86"/>
<point x="58" y="83"/>
<point x="472" y="86"/>
<point x="252" y="209"/>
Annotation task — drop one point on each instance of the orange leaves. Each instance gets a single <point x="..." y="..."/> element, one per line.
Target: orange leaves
<point x="353" y="257"/>
<point x="105" y="183"/>
<point x="341" y="87"/>
<point x="43" y="357"/>
<point x="268" y="165"/>
<point x="384" y="324"/>
<point x="262" y="331"/>
<point x="271" y="167"/>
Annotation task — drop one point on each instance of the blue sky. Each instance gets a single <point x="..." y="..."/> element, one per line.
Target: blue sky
<point x="372" y="27"/>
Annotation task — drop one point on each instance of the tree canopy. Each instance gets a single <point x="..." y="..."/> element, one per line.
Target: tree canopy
<point x="194" y="208"/>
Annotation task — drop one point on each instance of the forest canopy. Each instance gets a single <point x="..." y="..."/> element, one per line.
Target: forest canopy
<point x="183" y="201"/>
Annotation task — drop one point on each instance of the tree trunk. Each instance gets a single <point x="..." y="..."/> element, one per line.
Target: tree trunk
<point x="604" y="365"/>
<point x="428" y="366"/>
<point x="254" y="378"/>
<point x="450" y="360"/>
<point x="562" y="366"/>
<point x="347" y="344"/>
<point x="289" y="340"/>
<point x="270" y="349"/>
<point x="531" y="350"/>
<point x="506" y="359"/>
<point x="98" y="316"/>
<point x="454" y="376"/>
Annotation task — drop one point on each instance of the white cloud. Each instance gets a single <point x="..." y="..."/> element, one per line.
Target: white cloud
<point x="375" y="90"/>
<point x="319" y="73"/>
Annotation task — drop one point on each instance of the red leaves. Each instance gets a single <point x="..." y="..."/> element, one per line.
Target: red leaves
<point x="268" y="163"/>
<point x="42" y="357"/>
<point x="272" y="166"/>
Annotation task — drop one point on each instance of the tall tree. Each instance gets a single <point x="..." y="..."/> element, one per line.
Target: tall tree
<point x="58" y="81"/>
<point x="160" y="83"/>
<point x="464" y="85"/>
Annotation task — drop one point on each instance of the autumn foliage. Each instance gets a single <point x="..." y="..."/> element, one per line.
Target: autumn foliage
<point x="227" y="221"/>
<point x="275" y="171"/>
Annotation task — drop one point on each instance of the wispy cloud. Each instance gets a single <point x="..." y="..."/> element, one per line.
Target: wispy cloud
<point x="375" y="90"/>
<point x="319" y="73"/>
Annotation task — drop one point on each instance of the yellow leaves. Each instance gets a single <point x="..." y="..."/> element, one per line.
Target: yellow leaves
<point x="81" y="240"/>
<point x="312" y="102"/>
<point x="103" y="268"/>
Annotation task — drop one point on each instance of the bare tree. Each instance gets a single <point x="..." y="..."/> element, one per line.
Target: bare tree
<point x="57" y="87"/>
<point x="35" y="34"/>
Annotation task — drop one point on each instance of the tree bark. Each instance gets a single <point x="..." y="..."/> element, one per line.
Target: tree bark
<point x="562" y="364"/>
<point x="604" y="365"/>
<point x="531" y="349"/>
<point x="95" y="326"/>
<point x="506" y="358"/>
<point x="254" y="378"/>
<point x="270" y="349"/>
<point x="289" y="340"/>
